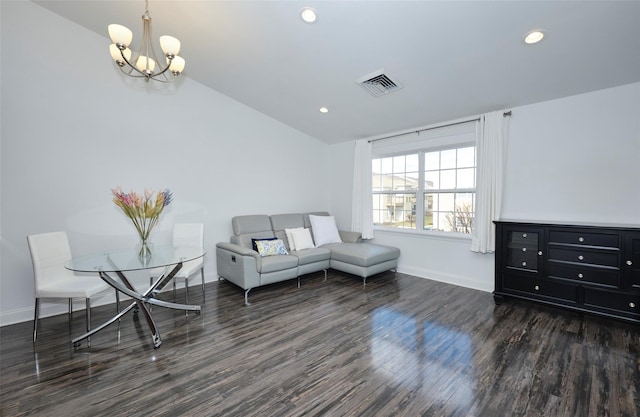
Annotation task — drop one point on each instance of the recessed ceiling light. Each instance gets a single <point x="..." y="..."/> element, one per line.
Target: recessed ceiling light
<point x="324" y="110"/>
<point x="533" y="37"/>
<point x="309" y="15"/>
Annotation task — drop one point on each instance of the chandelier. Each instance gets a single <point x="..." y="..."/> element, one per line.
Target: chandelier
<point x="144" y="64"/>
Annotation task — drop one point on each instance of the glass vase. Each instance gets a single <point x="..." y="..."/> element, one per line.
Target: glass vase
<point x="144" y="252"/>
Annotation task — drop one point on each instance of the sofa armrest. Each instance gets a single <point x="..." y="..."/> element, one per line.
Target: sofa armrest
<point x="238" y="249"/>
<point x="350" y="237"/>
<point x="238" y="264"/>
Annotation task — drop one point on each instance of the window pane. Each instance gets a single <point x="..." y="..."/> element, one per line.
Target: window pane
<point x="432" y="180"/>
<point x="432" y="161"/>
<point x="444" y="222"/>
<point x="466" y="201"/>
<point x="464" y="212"/>
<point x="398" y="164"/>
<point x="466" y="178"/>
<point x="466" y="157"/>
<point x="448" y="159"/>
<point x="448" y="179"/>
<point x="412" y="163"/>
<point x="447" y="202"/>
<point x="430" y="204"/>
<point x="376" y="166"/>
<point x="386" y="165"/>
<point x="412" y="181"/>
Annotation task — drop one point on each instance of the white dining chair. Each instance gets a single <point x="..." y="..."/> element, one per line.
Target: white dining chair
<point x="186" y="234"/>
<point x="49" y="253"/>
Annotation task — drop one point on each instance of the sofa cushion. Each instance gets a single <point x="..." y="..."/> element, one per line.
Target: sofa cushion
<point x="324" y="229"/>
<point x="277" y="263"/>
<point x="309" y="256"/>
<point x="363" y="254"/>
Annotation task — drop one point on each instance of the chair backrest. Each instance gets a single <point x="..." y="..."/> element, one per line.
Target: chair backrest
<point x="188" y="234"/>
<point x="49" y="253"/>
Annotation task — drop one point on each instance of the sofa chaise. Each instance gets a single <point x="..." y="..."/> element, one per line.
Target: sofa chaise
<point x="263" y="250"/>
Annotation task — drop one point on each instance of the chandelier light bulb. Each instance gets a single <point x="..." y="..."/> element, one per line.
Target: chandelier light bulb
<point x="177" y="65"/>
<point x="120" y="34"/>
<point x="145" y="64"/>
<point x="117" y="56"/>
<point x="169" y="45"/>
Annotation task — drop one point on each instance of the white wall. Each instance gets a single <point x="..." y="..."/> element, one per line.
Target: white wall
<point x="72" y="128"/>
<point x="573" y="160"/>
<point x="576" y="159"/>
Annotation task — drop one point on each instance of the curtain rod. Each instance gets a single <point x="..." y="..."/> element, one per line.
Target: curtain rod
<point x="505" y="114"/>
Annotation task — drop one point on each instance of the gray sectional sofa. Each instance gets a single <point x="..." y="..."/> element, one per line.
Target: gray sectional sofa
<point x="240" y="264"/>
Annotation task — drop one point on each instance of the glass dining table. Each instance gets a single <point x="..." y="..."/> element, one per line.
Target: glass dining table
<point x="111" y="267"/>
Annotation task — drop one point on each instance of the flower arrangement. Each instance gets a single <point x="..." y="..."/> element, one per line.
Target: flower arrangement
<point x="143" y="210"/>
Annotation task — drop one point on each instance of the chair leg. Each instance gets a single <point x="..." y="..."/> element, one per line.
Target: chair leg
<point x="202" y="275"/>
<point x="186" y="292"/>
<point x="70" y="312"/>
<point x="35" y="319"/>
<point x="88" y="314"/>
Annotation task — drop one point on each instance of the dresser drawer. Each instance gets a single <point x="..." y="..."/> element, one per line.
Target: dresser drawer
<point x="542" y="288"/>
<point x="628" y="303"/>
<point x="609" y="240"/>
<point x="586" y="274"/>
<point x="518" y="258"/>
<point x="583" y="256"/>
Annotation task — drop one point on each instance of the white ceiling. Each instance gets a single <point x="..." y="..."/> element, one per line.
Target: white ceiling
<point x="454" y="58"/>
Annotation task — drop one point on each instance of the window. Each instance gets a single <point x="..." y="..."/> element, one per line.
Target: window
<point x="430" y="189"/>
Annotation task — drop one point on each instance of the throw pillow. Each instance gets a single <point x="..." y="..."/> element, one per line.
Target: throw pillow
<point x="324" y="229"/>
<point x="302" y="238"/>
<point x="292" y="244"/>
<point x="271" y="247"/>
<point x="253" y="242"/>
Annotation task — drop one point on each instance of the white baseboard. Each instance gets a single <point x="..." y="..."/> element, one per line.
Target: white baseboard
<point x="461" y="281"/>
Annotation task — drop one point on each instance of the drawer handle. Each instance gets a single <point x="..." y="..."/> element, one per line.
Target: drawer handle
<point x="524" y="235"/>
<point x="629" y="263"/>
<point x="524" y="264"/>
<point x="537" y="288"/>
<point x="524" y="249"/>
<point x="539" y="253"/>
<point x="580" y="275"/>
<point x="632" y="305"/>
<point x="580" y="239"/>
<point x="580" y="257"/>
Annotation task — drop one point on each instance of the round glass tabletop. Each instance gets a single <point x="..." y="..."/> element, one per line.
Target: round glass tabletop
<point x="129" y="259"/>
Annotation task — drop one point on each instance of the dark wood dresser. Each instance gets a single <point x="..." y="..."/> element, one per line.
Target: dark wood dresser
<point x="586" y="268"/>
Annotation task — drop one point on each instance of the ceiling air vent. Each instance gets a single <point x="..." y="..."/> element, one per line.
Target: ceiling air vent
<point x="379" y="83"/>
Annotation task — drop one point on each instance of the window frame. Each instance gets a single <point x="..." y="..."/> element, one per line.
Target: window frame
<point x="421" y="192"/>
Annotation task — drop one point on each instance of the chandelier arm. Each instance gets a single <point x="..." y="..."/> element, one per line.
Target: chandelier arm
<point x="164" y="70"/>
<point x="131" y="66"/>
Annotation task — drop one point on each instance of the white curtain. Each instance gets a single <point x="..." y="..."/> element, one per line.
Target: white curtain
<point x="362" y="203"/>
<point x="491" y="143"/>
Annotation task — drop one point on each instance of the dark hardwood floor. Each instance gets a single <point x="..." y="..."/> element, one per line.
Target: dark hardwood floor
<point x="401" y="346"/>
